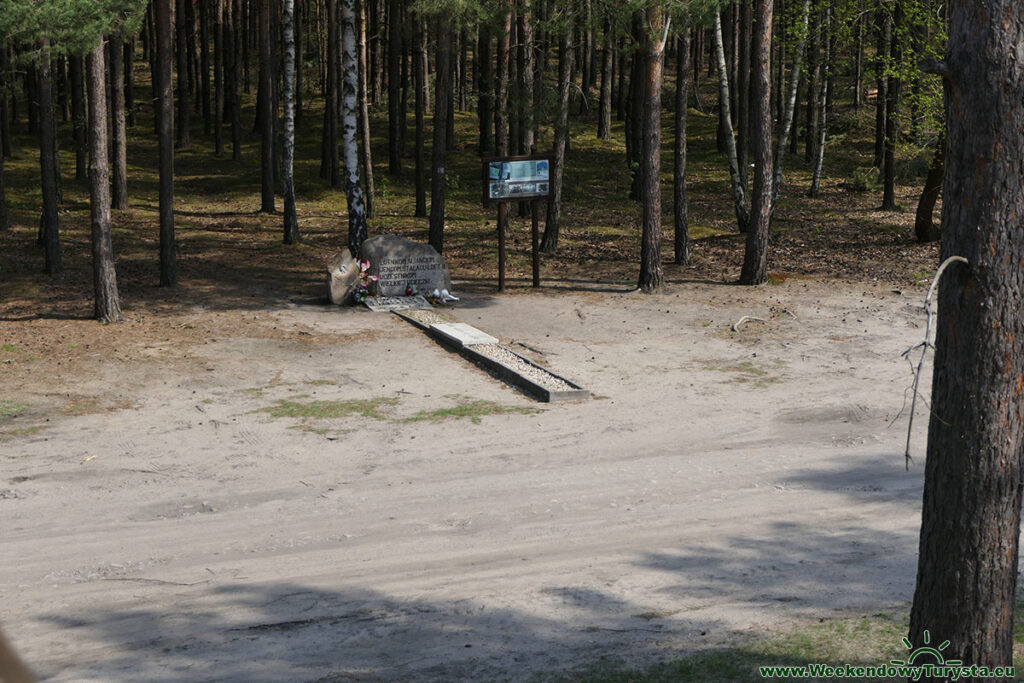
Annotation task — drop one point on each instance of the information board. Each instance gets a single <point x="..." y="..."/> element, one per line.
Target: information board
<point x="517" y="179"/>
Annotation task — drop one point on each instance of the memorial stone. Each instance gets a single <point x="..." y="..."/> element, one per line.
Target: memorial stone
<point x="342" y="278"/>
<point x="402" y="264"/>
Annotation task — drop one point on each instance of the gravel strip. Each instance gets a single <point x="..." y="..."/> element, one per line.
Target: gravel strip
<point x="537" y="374"/>
<point x="426" y="317"/>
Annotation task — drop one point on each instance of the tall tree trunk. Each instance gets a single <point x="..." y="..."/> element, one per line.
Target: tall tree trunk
<point x="233" y="49"/>
<point x="883" y="26"/>
<point x="299" y="62"/>
<point x="755" y="257"/>
<point x="679" y="203"/>
<point x="442" y="36"/>
<point x="291" y="221"/>
<point x="357" y="229"/>
<point x="366" y="154"/>
<point x="218" y="77"/>
<point x="107" y="303"/>
<point x="165" y="140"/>
<point x="651" y="276"/>
<point x="329" y="168"/>
<point x="813" y="63"/>
<point x="604" y="120"/>
<point x="924" y="229"/>
<point x="420" y="77"/>
<point x="742" y="95"/>
<point x="971" y="511"/>
<point x="4" y="225"/>
<point x="204" y="64"/>
<point x="549" y="242"/>
<point x="635" y="116"/>
<point x="822" y="133"/>
<point x="892" y="100"/>
<point x="49" y="227"/>
<point x="119" y="138"/>
<point x="78" y="134"/>
<point x="501" y="103"/>
<point x="485" y="109"/>
<point x="739" y="189"/>
<point x="786" y="125"/>
<point x="181" y="34"/>
<point x="394" y="86"/>
<point x="265" y="101"/>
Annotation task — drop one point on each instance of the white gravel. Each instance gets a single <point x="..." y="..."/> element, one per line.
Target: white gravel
<point x="529" y="370"/>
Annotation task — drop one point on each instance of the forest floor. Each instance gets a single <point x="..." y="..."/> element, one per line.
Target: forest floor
<point x="240" y="482"/>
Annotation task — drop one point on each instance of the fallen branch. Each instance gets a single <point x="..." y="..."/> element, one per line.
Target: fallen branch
<point x="924" y="346"/>
<point x="747" y="319"/>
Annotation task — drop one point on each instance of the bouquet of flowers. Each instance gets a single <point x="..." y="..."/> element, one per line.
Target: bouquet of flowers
<point x="365" y="280"/>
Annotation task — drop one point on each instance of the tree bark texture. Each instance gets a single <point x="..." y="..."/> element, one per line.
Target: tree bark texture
<point x="679" y="203"/>
<point x="739" y="189"/>
<point x="291" y="221"/>
<point x="364" y="116"/>
<point x="755" y="257"/>
<point x="165" y="140"/>
<point x="395" y="111"/>
<point x="924" y="229"/>
<point x="106" y="302"/>
<point x="357" y="229"/>
<point x="968" y="554"/>
<point x="50" y="222"/>
<point x="78" y="134"/>
<point x="265" y="102"/>
<point x="218" y="77"/>
<point x="181" y="34"/>
<point x="651" y="276"/>
<point x="420" y="79"/>
<point x="442" y="34"/>
<point x="501" y="140"/>
<point x="119" y="134"/>
<point x="549" y="242"/>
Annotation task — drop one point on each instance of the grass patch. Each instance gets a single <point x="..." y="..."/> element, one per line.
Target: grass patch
<point x="12" y="409"/>
<point x="859" y="641"/>
<point x="473" y="410"/>
<point x="8" y="434"/>
<point x="329" y="410"/>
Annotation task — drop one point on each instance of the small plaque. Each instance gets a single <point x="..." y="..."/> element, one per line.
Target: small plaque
<point x="396" y="303"/>
<point x="517" y="178"/>
<point x="463" y="334"/>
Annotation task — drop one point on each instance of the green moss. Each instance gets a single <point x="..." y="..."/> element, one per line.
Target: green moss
<point x="473" y="410"/>
<point x="329" y="410"/>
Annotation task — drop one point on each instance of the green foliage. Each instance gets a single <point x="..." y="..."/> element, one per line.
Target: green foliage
<point x="71" y="26"/>
<point x="866" y="178"/>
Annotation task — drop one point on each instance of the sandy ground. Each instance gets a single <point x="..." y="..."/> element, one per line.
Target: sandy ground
<point x="718" y="485"/>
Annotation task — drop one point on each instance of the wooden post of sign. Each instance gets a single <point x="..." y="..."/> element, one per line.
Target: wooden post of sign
<point x="535" y="234"/>
<point x="502" y="229"/>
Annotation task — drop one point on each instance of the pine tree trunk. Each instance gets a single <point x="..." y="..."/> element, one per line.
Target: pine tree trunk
<point x="892" y="100"/>
<point x="651" y="276"/>
<point x="4" y="225"/>
<point x="181" y="34"/>
<point x="549" y="242"/>
<point x="739" y="189"/>
<point x="119" y="138"/>
<point x="755" y="257"/>
<point x="291" y="222"/>
<point x="233" y="49"/>
<point x="604" y="120"/>
<point x="679" y="203"/>
<point x="265" y="102"/>
<point x="164" y="96"/>
<point x="742" y="96"/>
<point x="394" y="86"/>
<point x="49" y="227"/>
<point x="442" y="35"/>
<point x="107" y="303"/>
<point x="218" y="77"/>
<point x="485" y="109"/>
<point x="970" y="523"/>
<point x="204" y="64"/>
<point x="78" y="134"/>
<point x="329" y="166"/>
<point x="501" y="100"/>
<point x="924" y="229"/>
<point x="786" y="125"/>
<point x="366" y="154"/>
<point x="420" y="77"/>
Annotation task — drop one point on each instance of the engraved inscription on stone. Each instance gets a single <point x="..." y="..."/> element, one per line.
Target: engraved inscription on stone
<point x="402" y="264"/>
